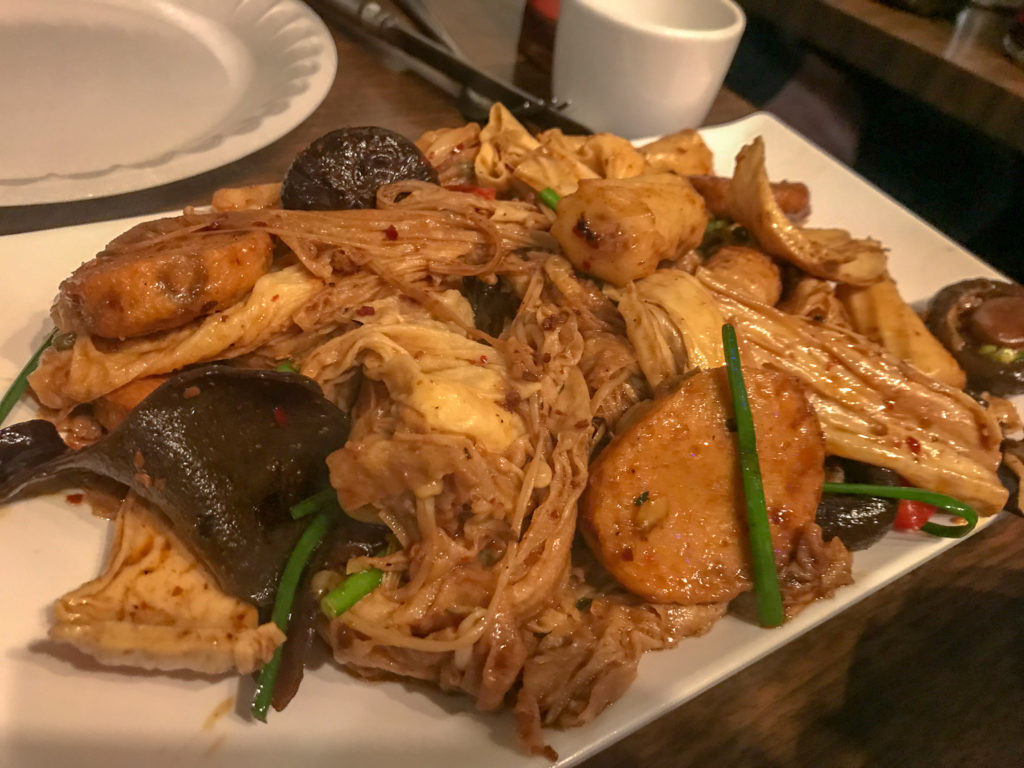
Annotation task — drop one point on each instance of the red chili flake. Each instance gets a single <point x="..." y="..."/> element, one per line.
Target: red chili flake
<point x="365" y="311"/>
<point x="190" y="392"/>
<point x="914" y="445"/>
<point x="627" y="554"/>
<point x="391" y="233"/>
<point x="275" y="297"/>
<point x="483" y="360"/>
<point x="280" y="416"/>
<point x="75" y="498"/>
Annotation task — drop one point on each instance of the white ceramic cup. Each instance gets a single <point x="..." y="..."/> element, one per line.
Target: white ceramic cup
<point x="643" y="67"/>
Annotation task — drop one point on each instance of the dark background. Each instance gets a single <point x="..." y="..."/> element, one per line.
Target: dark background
<point x="964" y="183"/>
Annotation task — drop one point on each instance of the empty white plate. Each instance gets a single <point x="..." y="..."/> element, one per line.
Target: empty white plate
<point x="107" y="96"/>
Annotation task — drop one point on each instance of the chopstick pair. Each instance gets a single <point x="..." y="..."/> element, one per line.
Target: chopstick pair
<point x="480" y="90"/>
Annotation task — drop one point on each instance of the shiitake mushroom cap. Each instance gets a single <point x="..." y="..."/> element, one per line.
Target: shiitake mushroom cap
<point x="344" y="169"/>
<point x="857" y="521"/>
<point x="948" y="318"/>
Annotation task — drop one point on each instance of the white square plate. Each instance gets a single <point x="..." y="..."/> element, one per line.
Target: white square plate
<point x="58" y="708"/>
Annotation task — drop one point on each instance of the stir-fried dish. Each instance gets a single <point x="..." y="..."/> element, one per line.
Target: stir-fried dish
<point x="458" y="408"/>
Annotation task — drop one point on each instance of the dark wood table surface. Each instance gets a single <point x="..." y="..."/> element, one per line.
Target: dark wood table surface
<point x="927" y="672"/>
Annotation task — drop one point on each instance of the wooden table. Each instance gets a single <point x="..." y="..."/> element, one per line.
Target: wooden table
<point x="927" y="672"/>
<point x="958" y="67"/>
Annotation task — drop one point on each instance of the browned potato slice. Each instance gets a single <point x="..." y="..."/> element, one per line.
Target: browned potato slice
<point x="664" y="510"/>
<point x="619" y="229"/>
<point x="746" y="271"/>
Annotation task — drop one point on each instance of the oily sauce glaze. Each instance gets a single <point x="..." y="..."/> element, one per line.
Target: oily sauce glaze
<point x="669" y="524"/>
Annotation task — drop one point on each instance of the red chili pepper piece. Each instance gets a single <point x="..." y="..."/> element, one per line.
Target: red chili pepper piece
<point x="911" y="515"/>
<point x="391" y="233"/>
<point x="280" y="416"/>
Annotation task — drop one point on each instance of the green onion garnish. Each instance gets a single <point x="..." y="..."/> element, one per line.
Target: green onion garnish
<point x="286" y="590"/>
<point x="286" y="367"/>
<point x="20" y="383"/>
<point x="353" y="589"/>
<point x="549" y="197"/>
<point x="766" y="579"/>
<point x="320" y="501"/>
<point x="947" y="504"/>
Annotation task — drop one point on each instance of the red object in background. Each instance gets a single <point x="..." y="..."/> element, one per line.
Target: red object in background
<point x="536" y="43"/>
<point x="911" y="515"/>
<point x="1014" y="40"/>
<point x="547" y="8"/>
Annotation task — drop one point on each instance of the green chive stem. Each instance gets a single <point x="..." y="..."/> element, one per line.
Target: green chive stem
<point x="353" y="589"/>
<point x="549" y="197"/>
<point x="286" y="367"/>
<point x="286" y="589"/>
<point x="766" y="578"/>
<point x="319" y="501"/>
<point x="20" y="383"/>
<point x="947" y="504"/>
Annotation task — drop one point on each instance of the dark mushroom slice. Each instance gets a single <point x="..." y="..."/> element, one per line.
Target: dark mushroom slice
<point x="344" y="169"/>
<point x="223" y="453"/>
<point x="350" y="539"/>
<point x="858" y="521"/>
<point x="981" y="322"/>
<point x="27" y="445"/>
<point x="494" y="306"/>
<point x="1011" y="472"/>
